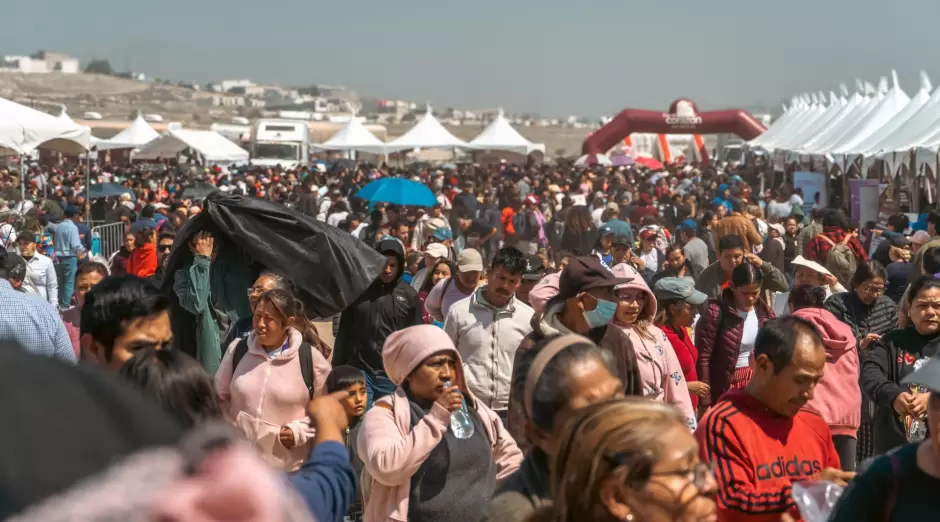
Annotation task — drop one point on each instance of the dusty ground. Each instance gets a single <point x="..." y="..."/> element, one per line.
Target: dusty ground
<point x="326" y="332"/>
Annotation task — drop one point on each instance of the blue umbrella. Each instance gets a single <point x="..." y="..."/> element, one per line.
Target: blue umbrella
<point x="398" y="191"/>
<point x="107" y="190"/>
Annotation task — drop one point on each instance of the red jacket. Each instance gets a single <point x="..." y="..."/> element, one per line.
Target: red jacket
<point x="143" y="261"/>
<point x="686" y="353"/>
<point x="758" y="455"/>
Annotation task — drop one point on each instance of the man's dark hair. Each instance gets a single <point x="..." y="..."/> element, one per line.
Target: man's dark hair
<point x="730" y="242"/>
<point x="931" y="261"/>
<point x="114" y="302"/>
<point x="836" y="218"/>
<point x="934" y="217"/>
<point x="342" y="377"/>
<point x="148" y="212"/>
<point x="899" y="222"/>
<point x="167" y="235"/>
<point x="91" y="267"/>
<point x="777" y="339"/>
<point x="511" y="259"/>
<point x="738" y="205"/>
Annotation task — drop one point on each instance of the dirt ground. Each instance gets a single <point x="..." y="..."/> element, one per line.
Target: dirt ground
<point x="325" y="329"/>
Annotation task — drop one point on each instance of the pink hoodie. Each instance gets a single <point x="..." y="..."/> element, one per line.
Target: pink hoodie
<point x="392" y="451"/>
<point x="265" y="394"/>
<point x="838" y="399"/>
<point x="660" y="371"/>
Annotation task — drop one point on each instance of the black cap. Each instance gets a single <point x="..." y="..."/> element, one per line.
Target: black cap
<point x="585" y="273"/>
<point x="534" y="268"/>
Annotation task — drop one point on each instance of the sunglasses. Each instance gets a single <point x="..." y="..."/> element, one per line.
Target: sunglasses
<point x="164" y="248"/>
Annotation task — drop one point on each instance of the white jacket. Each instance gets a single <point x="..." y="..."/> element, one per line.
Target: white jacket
<point x="41" y="279"/>
<point x="487" y="339"/>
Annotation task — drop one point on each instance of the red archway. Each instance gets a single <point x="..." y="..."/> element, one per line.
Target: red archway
<point x="683" y="118"/>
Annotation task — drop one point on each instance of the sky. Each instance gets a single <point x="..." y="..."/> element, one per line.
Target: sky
<point x="551" y="57"/>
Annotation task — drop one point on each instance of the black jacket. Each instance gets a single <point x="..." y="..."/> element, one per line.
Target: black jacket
<point x="383" y="309"/>
<point x="890" y="360"/>
<point x="879" y="318"/>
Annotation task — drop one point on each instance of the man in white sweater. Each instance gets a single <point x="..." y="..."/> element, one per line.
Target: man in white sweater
<point x="41" y="278"/>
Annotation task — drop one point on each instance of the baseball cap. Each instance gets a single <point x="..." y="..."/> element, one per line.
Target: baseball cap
<point x="584" y="273"/>
<point x="443" y="234"/>
<point x="615" y="227"/>
<point x="534" y="268"/>
<point x="678" y="288"/>
<point x="648" y="234"/>
<point x="470" y="260"/>
<point x="688" y="224"/>
<point x="436" y="250"/>
<point x="436" y="223"/>
<point x="532" y="199"/>
<point x="613" y="206"/>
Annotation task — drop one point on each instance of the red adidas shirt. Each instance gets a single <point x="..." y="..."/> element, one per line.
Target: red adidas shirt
<point x="758" y="455"/>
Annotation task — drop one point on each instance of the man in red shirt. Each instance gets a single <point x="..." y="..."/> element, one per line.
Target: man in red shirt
<point x="761" y="439"/>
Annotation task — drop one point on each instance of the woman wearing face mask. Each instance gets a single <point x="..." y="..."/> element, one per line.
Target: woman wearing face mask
<point x="677" y="300"/>
<point x="901" y="410"/>
<point x="264" y="394"/>
<point x="558" y="376"/>
<point x="662" y="377"/>
<point x="629" y="459"/>
<point x="416" y="468"/>
<point x="725" y="334"/>
<point x="903" y="484"/>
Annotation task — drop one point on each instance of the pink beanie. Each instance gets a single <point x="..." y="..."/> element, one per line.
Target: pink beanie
<point x="405" y="349"/>
<point x="543" y="291"/>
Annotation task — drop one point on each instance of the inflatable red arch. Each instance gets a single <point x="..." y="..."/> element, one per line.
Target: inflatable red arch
<point x="683" y="118"/>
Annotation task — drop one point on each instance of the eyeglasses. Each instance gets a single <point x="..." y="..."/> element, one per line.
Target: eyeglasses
<point x="871" y="289"/>
<point x="253" y="291"/>
<point x="641" y="469"/>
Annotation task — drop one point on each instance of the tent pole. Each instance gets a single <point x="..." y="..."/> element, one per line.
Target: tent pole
<point x="87" y="187"/>
<point x="24" y="175"/>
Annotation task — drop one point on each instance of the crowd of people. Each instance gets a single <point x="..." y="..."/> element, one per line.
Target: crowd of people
<point x="546" y="343"/>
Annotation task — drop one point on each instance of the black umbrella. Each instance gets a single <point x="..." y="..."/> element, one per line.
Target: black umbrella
<point x="198" y="190"/>
<point x="329" y="267"/>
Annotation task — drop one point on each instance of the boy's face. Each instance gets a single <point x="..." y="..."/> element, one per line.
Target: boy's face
<point x="355" y="402"/>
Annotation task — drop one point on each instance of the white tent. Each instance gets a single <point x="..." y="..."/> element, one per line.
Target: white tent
<point x="23" y="130"/>
<point x="66" y="119"/>
<point x="806" y="118"/>
<point x="139" y="133"/>
<point x="211" y="146"/>
<point x="499" y="135"/>
<point x="354" y="136"/>
<point x="822" y="142"/>
<point x="822" y="126"/>
<point x="795" y="112"/>
<point x="428" y="133"/>
<point x="893" y="102"/>
<point x="871" y="144"/>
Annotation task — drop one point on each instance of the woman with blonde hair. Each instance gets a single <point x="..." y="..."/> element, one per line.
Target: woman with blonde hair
<point x="629" y="459"/>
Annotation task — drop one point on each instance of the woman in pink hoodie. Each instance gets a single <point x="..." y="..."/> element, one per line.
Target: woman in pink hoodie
<point x="415" y="467"/>
<point x="265" y="396"/>
<point x="837" y="399"/>
<point x="660" y="371"/>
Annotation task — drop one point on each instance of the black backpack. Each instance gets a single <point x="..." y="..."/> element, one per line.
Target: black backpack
<point x="306" y="361"/>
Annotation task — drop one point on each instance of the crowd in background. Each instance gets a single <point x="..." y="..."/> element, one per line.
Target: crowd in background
<point x="547" y="342"/>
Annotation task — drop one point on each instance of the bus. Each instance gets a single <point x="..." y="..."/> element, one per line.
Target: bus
<point x="280" y="142"/>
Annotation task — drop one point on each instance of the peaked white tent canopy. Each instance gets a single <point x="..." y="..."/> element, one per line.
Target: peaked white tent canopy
<point x="65" y="118"/>
<point x="871" y="144"/>
<point x="807" y="116"/>
<point x="499" y="135"/>
<point x="354" y="136"/>
<point x="794" y="113"/>
<point x="823" y="126"/>
<point x="428" y="133"/>
<point x="211" y="146"/>
<point x="139" y="133"/>
<point x="23" y="130"/>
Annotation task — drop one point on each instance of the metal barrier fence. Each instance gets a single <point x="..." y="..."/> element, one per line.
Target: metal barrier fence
<point x="108" y="239"/>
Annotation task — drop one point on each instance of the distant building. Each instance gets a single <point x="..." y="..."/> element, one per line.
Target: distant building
<point x="40" y="63"/>
<point x="228" y="85"/>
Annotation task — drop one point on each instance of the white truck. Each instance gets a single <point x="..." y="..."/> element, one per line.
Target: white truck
<point x="280" y="142"/>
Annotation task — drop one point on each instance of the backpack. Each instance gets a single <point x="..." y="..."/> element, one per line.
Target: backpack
<point x="520" y="223"/>
<point x="841" y="261"/>
<point x="306" y="361"/>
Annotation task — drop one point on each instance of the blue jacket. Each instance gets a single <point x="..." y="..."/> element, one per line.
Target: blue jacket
<point x="326" y="481"/>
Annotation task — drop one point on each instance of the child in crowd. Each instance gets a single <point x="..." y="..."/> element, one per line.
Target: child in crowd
<point x="353" y="381"/>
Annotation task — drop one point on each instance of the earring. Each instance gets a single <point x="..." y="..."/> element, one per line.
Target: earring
<point x="629" y="517"/>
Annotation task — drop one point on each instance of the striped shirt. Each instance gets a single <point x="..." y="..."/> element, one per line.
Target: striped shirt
<point x="29" y="323"/>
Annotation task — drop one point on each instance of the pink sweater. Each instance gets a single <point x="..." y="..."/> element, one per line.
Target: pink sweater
<point x="265" y="394"/>
<point x="392" y="451"/>
<point x="837" y="399"/>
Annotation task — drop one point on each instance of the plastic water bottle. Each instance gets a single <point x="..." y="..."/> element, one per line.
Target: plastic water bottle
<point x="461" y="425"/>
<point x="816" y="499"/>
